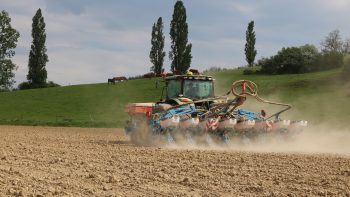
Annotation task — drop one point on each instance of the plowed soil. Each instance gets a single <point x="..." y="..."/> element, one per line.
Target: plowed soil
<point x="44" y="161"/>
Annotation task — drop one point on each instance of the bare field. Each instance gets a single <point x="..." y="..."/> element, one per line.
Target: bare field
<point x="46" y="161"/>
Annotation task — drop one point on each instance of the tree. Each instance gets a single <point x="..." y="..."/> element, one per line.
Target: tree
<point x="332" y="43"/>
<point x="8" y="42"/>
<point x="346" y="46"/>
<point x="332" y="51"/>
<point x="38" y="58"/>
<point x="250" y="51"/>
<point x="180" y="53"/>
<point x="157" y="54"/>
<point x="310" y="56"/>
<point x="291" y="60"/>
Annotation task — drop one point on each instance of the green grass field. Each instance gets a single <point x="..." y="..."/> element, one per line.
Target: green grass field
<point x="95" y="105"/>
<point x="318" y="97"/>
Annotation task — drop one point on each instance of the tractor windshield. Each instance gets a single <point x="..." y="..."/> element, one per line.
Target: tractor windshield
<point x="198" y="89"/>
<point x="173" y="88"/>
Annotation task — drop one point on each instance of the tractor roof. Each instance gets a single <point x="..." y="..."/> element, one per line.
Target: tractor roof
<point x="193" y="77"/>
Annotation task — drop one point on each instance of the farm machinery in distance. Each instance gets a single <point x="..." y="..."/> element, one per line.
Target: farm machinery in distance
<point x="190" y="113"/>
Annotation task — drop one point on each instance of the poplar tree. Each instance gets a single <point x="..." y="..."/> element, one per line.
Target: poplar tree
<point x="157" y="54"/>
<point x="250" y="51"/>
<point x="38" y="58"/>
<point x="180" y="53"/>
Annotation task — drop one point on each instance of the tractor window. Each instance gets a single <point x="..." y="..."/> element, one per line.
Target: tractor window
<point x="173" y="88"/>
<point x="198" y="89"/>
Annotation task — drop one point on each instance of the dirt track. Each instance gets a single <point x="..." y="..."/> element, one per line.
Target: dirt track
<point x="37" y="161"/>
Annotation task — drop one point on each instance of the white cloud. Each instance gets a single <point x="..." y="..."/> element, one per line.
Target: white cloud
<point x="247" y="9"/>
<point x="335" y="5"/>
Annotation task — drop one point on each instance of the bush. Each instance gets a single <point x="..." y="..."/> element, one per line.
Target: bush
<point x="248" y="71"/>
<point x="310" y="57"/>
<point x="26" y="85"/>
<point x="287" y="61"/>
<point x="214" y="69"/>
<point x="135" y="77"/>
<point x="295" y="60"/>
<point x="330" y="60"/>
<point x="51" y="84"/>
<point x="346" y="71"/>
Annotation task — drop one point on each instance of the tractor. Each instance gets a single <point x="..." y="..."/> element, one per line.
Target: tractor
<point x="190" y="113"/>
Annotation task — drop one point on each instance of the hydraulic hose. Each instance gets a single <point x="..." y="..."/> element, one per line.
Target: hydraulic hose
<point x="250" y="88"/>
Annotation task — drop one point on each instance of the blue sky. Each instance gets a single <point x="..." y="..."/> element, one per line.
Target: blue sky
<point x="89" y="41"/>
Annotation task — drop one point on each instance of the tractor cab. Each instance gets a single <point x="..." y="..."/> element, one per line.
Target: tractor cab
<point x="195" y="87"/>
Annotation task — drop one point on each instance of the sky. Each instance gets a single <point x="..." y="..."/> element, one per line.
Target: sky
<point x="89" y="41"/>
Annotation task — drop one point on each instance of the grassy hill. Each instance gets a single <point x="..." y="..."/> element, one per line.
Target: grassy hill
<point x="318" y="97"/>
<point x="94" y="105"/>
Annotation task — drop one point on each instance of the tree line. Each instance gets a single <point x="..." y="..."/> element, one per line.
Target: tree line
<point x="37" y="74"/>
<point x="307" y="58"/>
<point x="289" y="60"/>
<point x="180" y="54"/>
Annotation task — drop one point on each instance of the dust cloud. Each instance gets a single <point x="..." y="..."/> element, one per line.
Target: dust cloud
<point x="328" y="132"/>
<point x="314" y="140"/>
